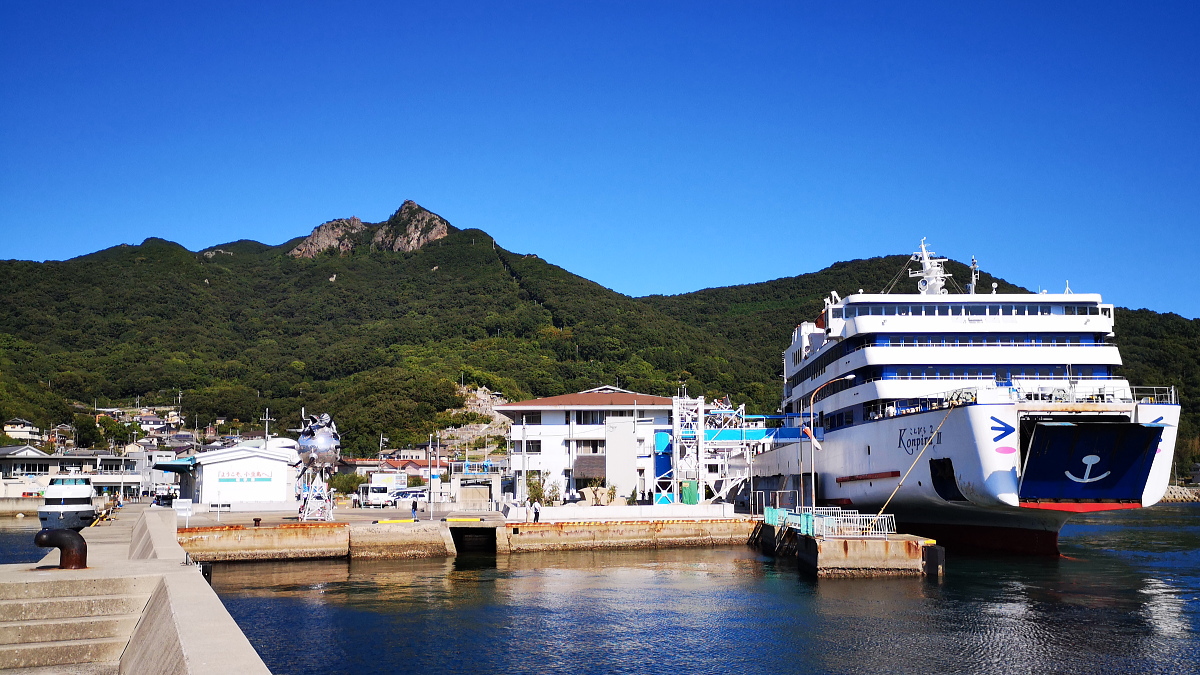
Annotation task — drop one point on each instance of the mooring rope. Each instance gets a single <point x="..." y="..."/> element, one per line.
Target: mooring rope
<point x="914" y="463"/>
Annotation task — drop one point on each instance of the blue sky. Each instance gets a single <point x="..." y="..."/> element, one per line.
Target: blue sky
<point x="653" y="147"/>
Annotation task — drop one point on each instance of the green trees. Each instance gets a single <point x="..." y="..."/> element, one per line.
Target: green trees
<point x="346" y="483"/>
<point x="379" y="339"/>
<point x="87" y="434"/>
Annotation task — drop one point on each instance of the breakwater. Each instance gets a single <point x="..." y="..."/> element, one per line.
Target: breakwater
<point x="1178" y="494"/>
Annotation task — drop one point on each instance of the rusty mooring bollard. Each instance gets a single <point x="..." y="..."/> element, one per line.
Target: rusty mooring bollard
<point x="72" y="548"/>
<point x="257" y="521"/>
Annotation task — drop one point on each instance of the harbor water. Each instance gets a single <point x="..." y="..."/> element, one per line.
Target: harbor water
<point x="1122" y="599"/>
<point x="16" y="541"/>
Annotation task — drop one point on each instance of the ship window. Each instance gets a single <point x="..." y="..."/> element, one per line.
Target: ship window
<point x="1104" y="311"/>
<point x="837" y="312"/>
<point x="889" y="310"/>
<point x="1093" y="310"/>
<point x="956" y="310"/>
<point x="876" y="310"/>
<point x="943" y="310"/>
<point x="1057" y="310"/>
<point x="1007" y="310"/>
<point x="994" y="310"/>
<point x="1019" y="310"/>
<point x="975" y="310"/>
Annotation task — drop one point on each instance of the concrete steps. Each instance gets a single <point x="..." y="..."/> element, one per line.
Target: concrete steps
<point x="67" y="622"/>
<point x="67" y="607"/>
<point x="74" y="628"/>
<point x="62" y="652"/>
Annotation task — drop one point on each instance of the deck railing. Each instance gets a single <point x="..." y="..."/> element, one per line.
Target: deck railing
<point x="833" y="522"/>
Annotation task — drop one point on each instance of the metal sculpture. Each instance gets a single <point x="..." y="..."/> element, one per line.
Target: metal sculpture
<point x="320" y="450"/>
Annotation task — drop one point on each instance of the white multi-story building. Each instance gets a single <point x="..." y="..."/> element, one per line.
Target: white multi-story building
<point x="574" y="440"/>
<point x="22" y="430"/>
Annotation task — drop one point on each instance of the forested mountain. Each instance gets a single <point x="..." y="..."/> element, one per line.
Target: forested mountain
<point x="242" y="326"/>
<point x="376" y="322"/>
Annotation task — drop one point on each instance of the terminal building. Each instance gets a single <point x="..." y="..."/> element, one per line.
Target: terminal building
<point x="603" y="436"/>
<point x="250" y="476"/>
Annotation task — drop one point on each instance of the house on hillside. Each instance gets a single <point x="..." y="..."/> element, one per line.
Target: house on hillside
<point x="603" y="435"/>
<point x="22" y="430"/>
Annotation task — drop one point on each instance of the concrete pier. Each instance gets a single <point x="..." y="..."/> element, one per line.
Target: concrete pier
<point x="135" y="609"/>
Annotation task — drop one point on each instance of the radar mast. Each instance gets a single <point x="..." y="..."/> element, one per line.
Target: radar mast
<point x="932" y="275"/>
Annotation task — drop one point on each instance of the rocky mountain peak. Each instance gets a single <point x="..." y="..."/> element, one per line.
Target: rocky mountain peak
<point x="333" y="234"/>
<point x="408" y="229"/>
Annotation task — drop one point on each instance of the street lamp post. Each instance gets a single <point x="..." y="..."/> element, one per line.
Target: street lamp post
<point x="812" y="438"/>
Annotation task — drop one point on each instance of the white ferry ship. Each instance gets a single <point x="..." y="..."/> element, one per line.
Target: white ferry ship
<point x="1001" y="413"/>
<point x="68" y="503"/>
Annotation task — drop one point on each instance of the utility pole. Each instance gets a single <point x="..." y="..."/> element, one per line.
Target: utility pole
<point x="266" y="420"/>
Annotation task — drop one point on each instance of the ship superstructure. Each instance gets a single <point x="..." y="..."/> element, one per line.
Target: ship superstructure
<point x="1004" y="411"/>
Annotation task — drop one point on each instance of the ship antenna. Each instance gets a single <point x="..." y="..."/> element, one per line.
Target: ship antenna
<point x="974" y="275"/>
<point x="933" y="274"/>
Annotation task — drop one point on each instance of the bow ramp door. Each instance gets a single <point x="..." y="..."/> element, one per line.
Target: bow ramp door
<point x="1088" y="462"/>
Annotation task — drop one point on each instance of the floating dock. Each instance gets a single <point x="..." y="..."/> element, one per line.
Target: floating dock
<point x="830" y="542"/>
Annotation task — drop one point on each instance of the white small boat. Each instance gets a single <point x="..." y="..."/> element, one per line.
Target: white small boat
<point x="68" y="503"/>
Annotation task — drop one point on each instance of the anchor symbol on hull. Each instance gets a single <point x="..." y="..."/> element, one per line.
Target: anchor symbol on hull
<point x="1090" y="461"/>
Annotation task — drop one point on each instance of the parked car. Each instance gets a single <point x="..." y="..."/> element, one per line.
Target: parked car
<point x="408" y="494"/>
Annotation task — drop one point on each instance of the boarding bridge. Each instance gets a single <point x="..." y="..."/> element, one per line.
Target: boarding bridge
<point x="710" y="449"/>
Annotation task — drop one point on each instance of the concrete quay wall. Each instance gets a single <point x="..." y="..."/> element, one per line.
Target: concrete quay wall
<point x="294" y="541"/>
<point x="591" y="534"/>
<point x="300" y="541"/>
<point x="429" y="539"/>
<point x="401" y="540"/>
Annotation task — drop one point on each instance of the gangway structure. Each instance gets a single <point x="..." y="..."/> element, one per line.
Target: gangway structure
<point x="712" y="447"/>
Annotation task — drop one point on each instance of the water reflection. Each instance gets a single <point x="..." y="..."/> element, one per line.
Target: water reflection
<point x="1118" y="603"/>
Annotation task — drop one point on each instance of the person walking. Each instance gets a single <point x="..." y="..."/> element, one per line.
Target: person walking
<point x="537" y="511"/>
<point x="414" y="509"/>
